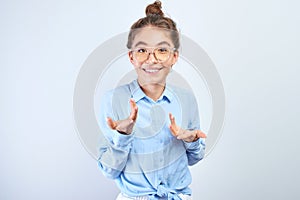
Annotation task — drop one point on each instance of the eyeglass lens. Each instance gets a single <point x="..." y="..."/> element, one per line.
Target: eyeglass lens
<point x="160" y="54"/>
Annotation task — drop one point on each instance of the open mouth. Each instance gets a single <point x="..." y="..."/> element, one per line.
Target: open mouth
<point x="152" y="71"/>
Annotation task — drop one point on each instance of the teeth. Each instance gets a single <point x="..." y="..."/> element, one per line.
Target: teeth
<point x="151" y="70"/>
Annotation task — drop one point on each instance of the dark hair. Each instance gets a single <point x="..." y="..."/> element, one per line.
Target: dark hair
<point x="155" y="17"/>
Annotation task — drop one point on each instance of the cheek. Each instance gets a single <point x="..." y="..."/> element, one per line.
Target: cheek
<point x="174" y="58"/>
<point x="168" y="64"/>
<point x="137" y="65"/>
<point x="134" y="63"/>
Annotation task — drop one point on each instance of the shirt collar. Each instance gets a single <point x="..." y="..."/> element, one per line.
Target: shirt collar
<point x="137" y="93"/>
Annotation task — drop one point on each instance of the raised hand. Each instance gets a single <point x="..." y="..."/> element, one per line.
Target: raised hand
<point x="186" y="135"/>
<point x="125" y="126"/>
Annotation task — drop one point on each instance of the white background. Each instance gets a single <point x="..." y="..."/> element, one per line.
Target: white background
<point x="254" y="45"/>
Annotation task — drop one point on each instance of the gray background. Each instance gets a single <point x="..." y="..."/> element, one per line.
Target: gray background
<point x="254" y="45"/>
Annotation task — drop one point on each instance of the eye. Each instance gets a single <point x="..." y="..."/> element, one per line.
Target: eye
<point x="162" y="50"/>
<point x="141" y="50"/>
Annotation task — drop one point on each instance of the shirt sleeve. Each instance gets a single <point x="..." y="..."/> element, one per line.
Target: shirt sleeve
<point x="195" y="150"/>
<point x="114" y="147"/>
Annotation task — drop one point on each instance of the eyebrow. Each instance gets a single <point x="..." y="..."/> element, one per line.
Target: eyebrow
<point x="144" y="43"/>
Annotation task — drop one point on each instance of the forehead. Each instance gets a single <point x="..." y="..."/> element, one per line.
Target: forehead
<point x="151" y="36"/>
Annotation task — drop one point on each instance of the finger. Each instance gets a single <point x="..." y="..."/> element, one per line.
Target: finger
<point x="172" y="119"/>
<point x="200" y="134"/>
<point x="186" y="135"/>
<point x="112" y="124"/>
<point x="173" y="131"/>
<point x="134" y="110"/>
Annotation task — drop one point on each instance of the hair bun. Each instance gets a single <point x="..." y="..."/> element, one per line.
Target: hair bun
<point x="154" y="9"/>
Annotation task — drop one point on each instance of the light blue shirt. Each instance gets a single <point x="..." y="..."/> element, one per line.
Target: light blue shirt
<point x="150" y="161"/>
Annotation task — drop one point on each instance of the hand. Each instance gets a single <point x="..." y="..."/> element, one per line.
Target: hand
<point x="125" y="126"/>
<point x="185" y="135"/>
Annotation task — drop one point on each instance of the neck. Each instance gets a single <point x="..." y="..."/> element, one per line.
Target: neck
<point x="153" y="90"/>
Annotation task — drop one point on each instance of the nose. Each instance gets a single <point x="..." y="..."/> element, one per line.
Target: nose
<point x="151" y="58"/>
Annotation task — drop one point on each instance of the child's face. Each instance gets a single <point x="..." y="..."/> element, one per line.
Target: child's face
<point x="153" y="55"/>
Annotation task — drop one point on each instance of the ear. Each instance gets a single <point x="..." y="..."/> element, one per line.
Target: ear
<point x="130" y="56"/>
<point x="175" y="57"/>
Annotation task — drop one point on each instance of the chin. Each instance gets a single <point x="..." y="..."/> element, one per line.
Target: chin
<point x="153" y="81"/>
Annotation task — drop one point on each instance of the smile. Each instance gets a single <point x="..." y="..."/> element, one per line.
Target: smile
<point x="151" y="70"/>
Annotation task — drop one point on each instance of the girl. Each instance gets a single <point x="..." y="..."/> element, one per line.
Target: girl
<point x="145" y="150"/>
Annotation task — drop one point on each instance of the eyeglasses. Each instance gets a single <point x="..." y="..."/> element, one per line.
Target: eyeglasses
<point x="161" y="54"/>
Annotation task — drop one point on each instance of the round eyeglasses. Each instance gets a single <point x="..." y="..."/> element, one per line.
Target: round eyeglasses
<point x="161" y="54"/>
